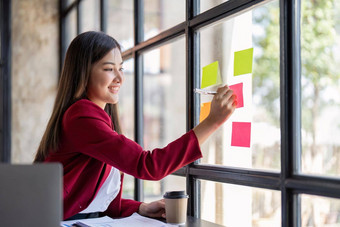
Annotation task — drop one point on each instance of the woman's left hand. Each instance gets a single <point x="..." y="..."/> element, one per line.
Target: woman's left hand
<point x="154" y="209"/>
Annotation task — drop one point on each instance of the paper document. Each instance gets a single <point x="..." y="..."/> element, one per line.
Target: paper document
<point x="135" y="220"/>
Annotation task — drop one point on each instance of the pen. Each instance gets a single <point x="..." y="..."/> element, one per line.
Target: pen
<point x="204" y="92"/>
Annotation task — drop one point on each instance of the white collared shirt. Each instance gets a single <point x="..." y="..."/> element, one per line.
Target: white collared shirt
<point x="106" y="194"/>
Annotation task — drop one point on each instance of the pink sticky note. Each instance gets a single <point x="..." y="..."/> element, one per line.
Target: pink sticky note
<point x="238" y="91"/>
<point x="240" y="136"/>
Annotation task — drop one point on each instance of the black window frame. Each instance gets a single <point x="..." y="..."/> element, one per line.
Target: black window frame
<point x="5" y="81"/>
<point x="289" y="181"/>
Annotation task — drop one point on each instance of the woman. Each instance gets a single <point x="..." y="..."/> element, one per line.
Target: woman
<point x="83" y="134"/>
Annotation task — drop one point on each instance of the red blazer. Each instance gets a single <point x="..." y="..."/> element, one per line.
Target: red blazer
<point x="89" y="146"/>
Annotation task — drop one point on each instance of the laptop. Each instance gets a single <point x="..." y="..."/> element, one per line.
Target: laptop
<point x="31" y="195"/>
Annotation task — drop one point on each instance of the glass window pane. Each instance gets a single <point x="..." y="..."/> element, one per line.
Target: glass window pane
<point x="161" y="15"/>
<point x="90" y="16"/>
<point x="233" y="205"/>
<point x="70" y="26"/>
<point x="154" y="190"/>
<point x="251" y="137"/>
<point x="164" y="94"/>
<point x="320" y="87"/>
<point x="164" y="104"/>
<point x="208" y="4"/>
<point x="128" y="187"/>
<point x="319" y="211"/>
<point x="127" y="100"/>
<point x="126" y="117"/>
<point x="120" y="22"/>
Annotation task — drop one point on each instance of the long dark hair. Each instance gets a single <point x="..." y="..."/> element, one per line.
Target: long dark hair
<point x="85" y="50"/>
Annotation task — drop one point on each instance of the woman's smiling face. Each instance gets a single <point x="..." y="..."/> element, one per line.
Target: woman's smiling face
<point x="106" y="78"/>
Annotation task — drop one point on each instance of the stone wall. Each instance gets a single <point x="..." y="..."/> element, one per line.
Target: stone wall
<point x="34" y="73"/>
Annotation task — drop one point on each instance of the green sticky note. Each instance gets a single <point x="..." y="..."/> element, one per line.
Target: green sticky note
<point x="243" y="62"/>
<point x="211" y="75"/>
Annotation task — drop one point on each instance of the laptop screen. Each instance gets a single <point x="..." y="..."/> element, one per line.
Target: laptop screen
<point x="31" y="195"/>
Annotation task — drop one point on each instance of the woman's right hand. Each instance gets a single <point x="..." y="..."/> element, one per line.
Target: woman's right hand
<point x="222" y="106"/>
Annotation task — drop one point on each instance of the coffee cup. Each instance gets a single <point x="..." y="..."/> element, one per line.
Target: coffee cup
<point x="176" y="207"/>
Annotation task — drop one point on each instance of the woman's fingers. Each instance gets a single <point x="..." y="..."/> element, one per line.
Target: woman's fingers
<point x="229" y="95"/>
<point x="221" y="91"/>
<point x="225" y="95"/>
<point x="223" y="105"/>
<point x="235" y="102"/>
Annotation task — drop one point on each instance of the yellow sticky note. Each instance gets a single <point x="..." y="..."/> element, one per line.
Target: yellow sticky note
<point x="243" y="62"/>
<point x="211" y="75"/>
<point x="205" y="110"/>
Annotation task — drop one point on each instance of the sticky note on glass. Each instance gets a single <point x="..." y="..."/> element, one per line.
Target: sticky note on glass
<point x="205" y="110"/>
<point x="238" y="91"/>
<point x="211" y="75"/>
<point x="240" y="136"/>
<point x="243" y="62"/>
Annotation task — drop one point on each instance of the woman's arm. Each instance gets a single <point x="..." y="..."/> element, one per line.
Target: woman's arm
<point x="86" y="129"/>
<point x="222" y="106"/>
<point x="93" y="137"/>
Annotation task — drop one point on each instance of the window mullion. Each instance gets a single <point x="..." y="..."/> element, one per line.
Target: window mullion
<point x="5" y="81"/>
<point x="138" y="69"/>
<point x="192" y="53"/>
<point x="290" y="107"/>
<point x="62" y="33"/>
<point x="103" y="15"/>
<point x="79" y="18"/>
